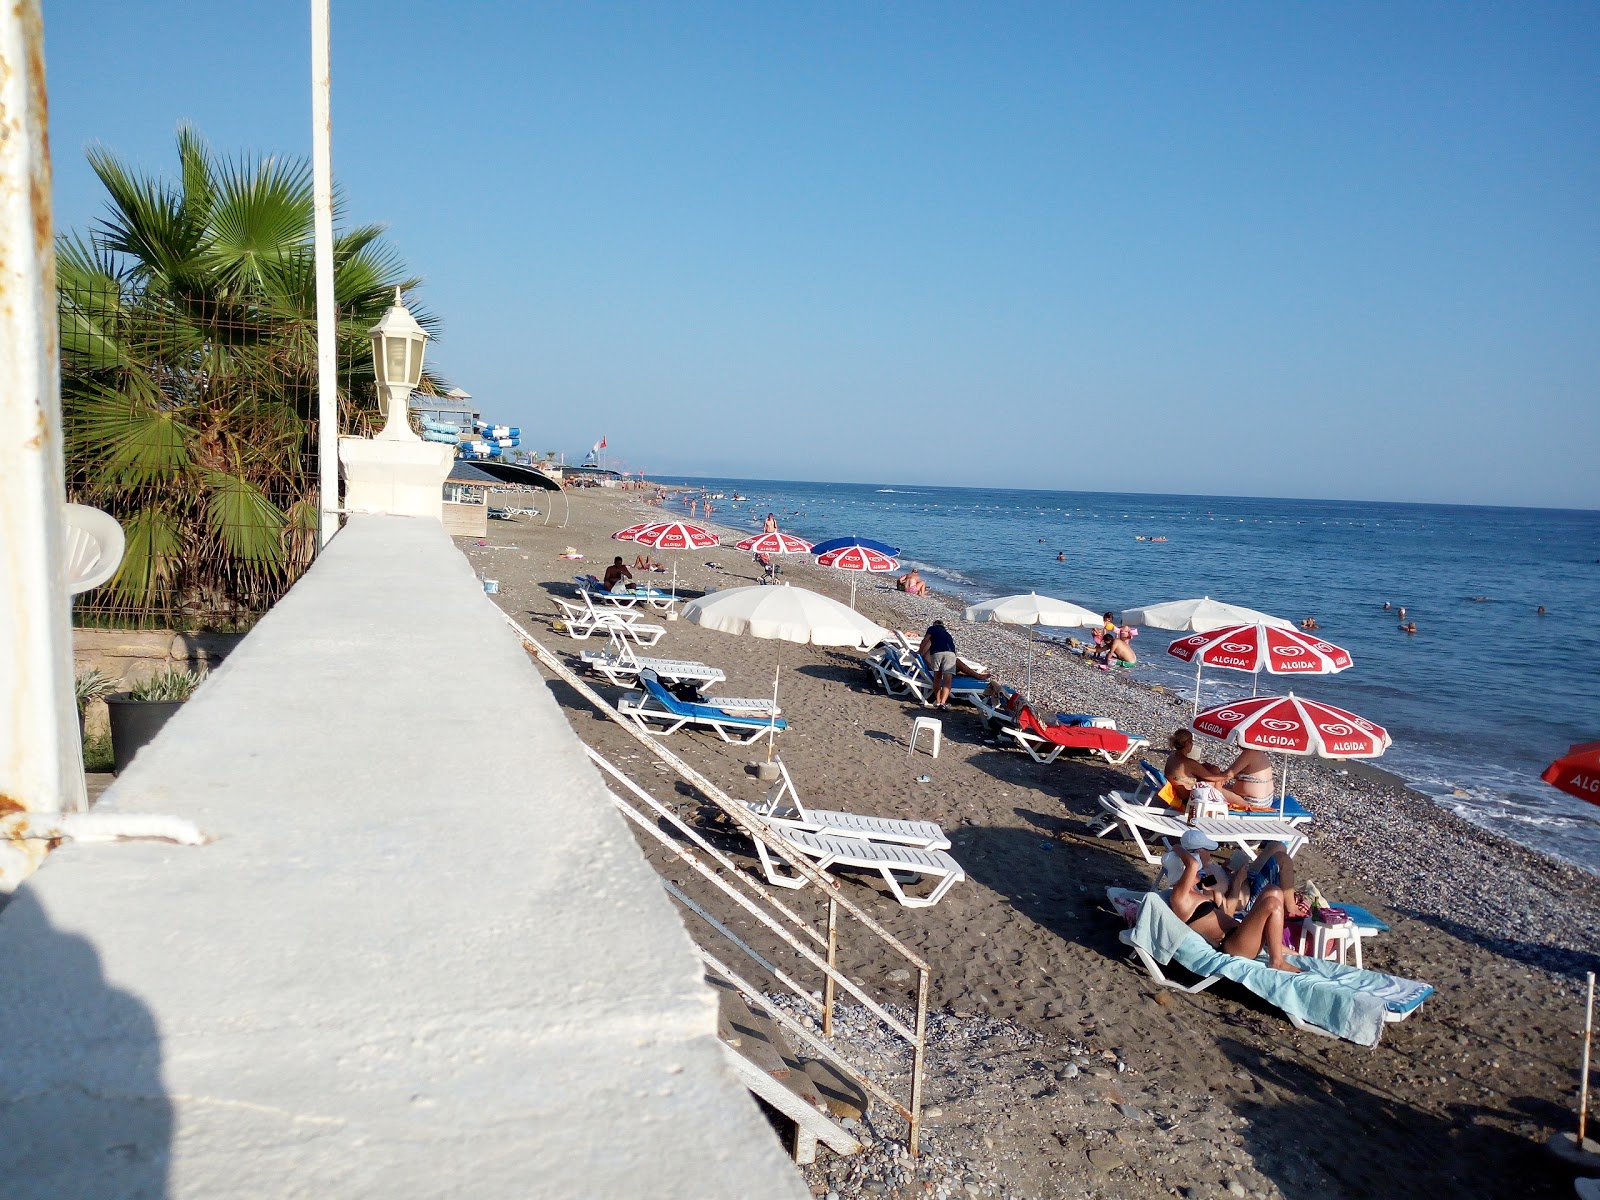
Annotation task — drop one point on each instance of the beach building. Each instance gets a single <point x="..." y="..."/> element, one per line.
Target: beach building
<point x="466" y="500"/>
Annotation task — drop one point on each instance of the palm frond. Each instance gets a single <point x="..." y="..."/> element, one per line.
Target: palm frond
<point x="247" y="522"/>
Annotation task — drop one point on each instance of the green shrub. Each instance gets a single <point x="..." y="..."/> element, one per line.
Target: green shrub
<point x="174" y="683"/>
<point x="97" y="752"/>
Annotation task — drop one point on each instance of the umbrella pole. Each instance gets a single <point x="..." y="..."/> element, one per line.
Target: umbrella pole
<point x="1198" y="667"/>
<point x="772" y="717"/>
<point x="1583" y="1086"/>
<point x="852" y="593"/>
<point x="1029" y="689"/>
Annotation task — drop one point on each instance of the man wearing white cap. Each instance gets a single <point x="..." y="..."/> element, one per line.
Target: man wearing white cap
<point x="1205" y="910"/>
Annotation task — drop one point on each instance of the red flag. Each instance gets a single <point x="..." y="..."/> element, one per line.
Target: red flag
<point x="602" y="441"/>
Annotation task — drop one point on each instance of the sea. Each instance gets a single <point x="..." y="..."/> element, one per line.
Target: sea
<point x="1479" y="700"/>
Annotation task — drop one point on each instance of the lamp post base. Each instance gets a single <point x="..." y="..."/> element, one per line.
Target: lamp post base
<point x="401" y="478"/>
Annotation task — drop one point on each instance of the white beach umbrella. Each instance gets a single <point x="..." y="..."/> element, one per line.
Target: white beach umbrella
<point x="787" y="614"/>
<point x="1200" y="616"/>
<point x="1033" y="609"/>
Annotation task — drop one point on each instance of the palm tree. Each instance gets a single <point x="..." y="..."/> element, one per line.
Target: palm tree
<point x="189" y="371"/>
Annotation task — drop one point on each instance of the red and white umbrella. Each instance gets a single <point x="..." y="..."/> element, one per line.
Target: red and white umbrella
<point x="774" y="543"/>
<point x="1259" y="647"/>
<point x="858" y="559"/>
<point x="670" y="535"/>
<point x="1577" y="772"/>
<point x="1293" y="725"/>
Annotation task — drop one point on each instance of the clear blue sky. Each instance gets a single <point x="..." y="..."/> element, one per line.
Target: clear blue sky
<point x="1282" y="249"/>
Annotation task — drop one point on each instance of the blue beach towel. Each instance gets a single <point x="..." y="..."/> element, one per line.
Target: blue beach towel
<point x="1343" y="1000"/>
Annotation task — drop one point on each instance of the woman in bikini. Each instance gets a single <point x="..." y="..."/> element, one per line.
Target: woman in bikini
<point x="1247" y="781"/>
<point x="1204" y="910"/>
<point x="1183" y="770"/>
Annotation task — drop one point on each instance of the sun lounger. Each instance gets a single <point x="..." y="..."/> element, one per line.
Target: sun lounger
<point x="733" y="720"/>
<point x="783" y="809"/>
<point x="1045" y="743"/>
<point x="1136" y="821"/>
<point x="1324" y="998"/>
<point x="887" y="859"/>
<point x="584" y="620"/>
<point x="1290" y="810"/>
<point x="621" y="665"/>
<point x="627" y="597"/>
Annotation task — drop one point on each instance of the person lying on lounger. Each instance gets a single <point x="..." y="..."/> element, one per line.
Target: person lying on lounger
<point x="1204" y="910"/>
<point x="643" y="562"/>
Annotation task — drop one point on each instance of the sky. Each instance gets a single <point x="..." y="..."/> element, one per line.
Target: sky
<point x="1254" y="249"/>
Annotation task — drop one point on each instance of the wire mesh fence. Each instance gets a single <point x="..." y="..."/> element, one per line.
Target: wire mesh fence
<point x="193" y="421"/>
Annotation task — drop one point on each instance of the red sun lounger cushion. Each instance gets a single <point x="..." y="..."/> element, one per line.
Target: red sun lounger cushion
<point x="1074" y="737"/>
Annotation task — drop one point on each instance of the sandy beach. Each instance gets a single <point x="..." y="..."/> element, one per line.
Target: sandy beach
<point x="1057" y="1068"/>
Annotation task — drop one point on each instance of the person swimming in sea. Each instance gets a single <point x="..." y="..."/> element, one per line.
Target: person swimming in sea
<point x="1062" y="556"/>
<point x="1410" y="627"/>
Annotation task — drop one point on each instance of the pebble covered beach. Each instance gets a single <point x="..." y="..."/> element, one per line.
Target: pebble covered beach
<point x="1056" y="1066"/>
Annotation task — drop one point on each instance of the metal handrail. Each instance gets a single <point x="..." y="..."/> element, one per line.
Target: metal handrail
<point x="755" y="828"/>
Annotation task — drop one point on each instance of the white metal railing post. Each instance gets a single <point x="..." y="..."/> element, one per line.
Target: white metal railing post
<point x="327" y="310"/>
<point x="41" y="755"/>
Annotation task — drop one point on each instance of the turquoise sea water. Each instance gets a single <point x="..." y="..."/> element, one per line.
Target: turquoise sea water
<point x="1478" y="701"/>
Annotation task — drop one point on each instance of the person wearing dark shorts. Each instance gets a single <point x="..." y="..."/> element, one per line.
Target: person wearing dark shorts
<point x="938" y="650"/>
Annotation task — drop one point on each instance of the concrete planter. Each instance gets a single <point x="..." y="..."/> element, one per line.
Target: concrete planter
<point x="133" y="724"/>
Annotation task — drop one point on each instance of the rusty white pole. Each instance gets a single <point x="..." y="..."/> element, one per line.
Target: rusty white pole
<point x="327" y="310"/>
<point x="41" y="755"/>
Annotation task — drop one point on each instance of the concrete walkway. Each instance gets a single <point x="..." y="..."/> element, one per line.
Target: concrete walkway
<point x="423" y="956"/>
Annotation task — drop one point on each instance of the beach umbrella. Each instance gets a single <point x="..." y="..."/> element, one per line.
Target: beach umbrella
<point x="670" y="535"/>
<point x="839" y="543"/>
<point x="1033" y="610"/>
<point x="1577" y="772"/>
<point x="859" y="559"/>
<point x="788" y="614"/>
<point x="774" y="543"/>
<point x="1257" y="647"/>
<point x="1293" y="725"/>
<point x="1200" y="616"/>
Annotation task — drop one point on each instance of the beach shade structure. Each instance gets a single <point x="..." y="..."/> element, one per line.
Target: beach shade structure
<point x="839" y="543"/>
<point x="1256" y="648"/>
<point x="857" y="559"/>
<point x="1577" y="772"/>
<point x="1200" y="616"/>
<point x="1292" y="725"/>
<point x="1033" y="610"/>
<point x="670" y="535"/>
<point x="774" y="543"/>
<point x="788" y="614"/>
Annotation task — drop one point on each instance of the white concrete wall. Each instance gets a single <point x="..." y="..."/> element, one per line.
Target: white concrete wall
<point x="405" y="967"/>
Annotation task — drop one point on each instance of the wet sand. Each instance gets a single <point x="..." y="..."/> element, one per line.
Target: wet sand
<point x="1058" y="1068"/>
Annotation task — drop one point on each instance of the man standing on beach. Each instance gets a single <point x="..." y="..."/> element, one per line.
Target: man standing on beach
<point x="938" y="650"/>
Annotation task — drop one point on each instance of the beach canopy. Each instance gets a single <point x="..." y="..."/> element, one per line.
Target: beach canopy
<point x="1200" y="616"/>
<point x="774" y="543"/>
<point x="839" y="543"/>
<point x="1577" y="772"/>
<point x="1293" y="725"/>
<point x="1032" y="609"/>
<point x="789" y="613"/>
<point x="669" y="535"/>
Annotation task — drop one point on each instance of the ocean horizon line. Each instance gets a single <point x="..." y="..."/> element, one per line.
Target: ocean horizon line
<point x="965" y="487"/>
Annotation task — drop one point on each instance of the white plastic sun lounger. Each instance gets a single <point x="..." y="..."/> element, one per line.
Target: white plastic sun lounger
<point x="583" y="621"/>
<point x="1249" y="833"/>
<point x="604" y="600"/>
<point x="621" y="665"/>
<point x="782" y="809"/>
<point x="733" y="720"/>
<point x="883" y="857"/>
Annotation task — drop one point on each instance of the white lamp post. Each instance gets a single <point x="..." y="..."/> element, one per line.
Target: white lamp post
<point x="396" y="472"/>
<point x="398" y="343"/>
